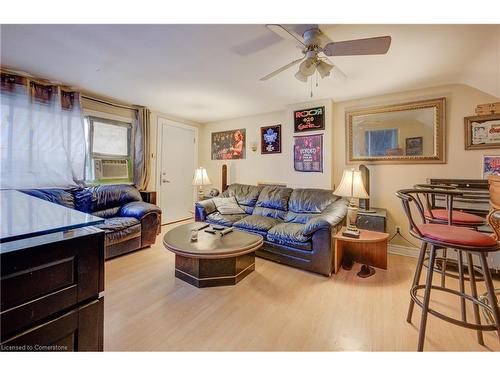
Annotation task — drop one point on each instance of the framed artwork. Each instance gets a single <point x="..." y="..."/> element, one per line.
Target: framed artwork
<point x="309" y="119"/>
<point x="414" y="146"/>
<point x="491" y="165"/>
<point x="308" y="153"/>
<point x="230" y="144"/>
<point x="270" y="139"/>
<point x="482" y="132"/>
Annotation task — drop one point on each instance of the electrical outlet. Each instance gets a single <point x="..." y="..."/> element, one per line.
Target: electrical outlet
<point x="398" y="229"/>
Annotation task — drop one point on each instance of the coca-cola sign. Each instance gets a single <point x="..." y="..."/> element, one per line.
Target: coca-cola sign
<point x="309" y="119"/>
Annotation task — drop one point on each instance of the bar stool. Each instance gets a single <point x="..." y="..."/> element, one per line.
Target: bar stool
<point x="461" y="239"/>
<point x="458" y="218"/>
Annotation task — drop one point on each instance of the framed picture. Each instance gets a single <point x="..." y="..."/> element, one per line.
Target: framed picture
<point x="482" y="132"/>
<point x="230" y="144"/>
<point x="414" y="146"/>
<point x="309" y="119"/>
<point x="308" y="153"/>
<point x="270" y="139"/>
<point x="491" y="165"/>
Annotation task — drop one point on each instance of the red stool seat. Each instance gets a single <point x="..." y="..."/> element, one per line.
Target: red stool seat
<point x="458" y="217"/>
<point x="457" y="235"/>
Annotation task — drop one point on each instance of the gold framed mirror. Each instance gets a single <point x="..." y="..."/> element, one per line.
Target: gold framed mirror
<point x="396" y="134"/>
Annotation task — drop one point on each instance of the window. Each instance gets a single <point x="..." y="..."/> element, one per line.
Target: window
<point x="378" y="142"/>
<point x="109" y="158"/>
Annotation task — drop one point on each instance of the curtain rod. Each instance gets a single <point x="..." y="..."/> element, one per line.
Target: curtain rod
<point x="30" y="77"/>
<point x="104" y="101"/>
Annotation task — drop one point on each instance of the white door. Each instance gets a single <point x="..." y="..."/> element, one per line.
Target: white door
<point x="178" y="162"/>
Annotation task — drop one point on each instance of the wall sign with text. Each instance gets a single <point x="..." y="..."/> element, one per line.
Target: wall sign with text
<point x="309" y="119"/>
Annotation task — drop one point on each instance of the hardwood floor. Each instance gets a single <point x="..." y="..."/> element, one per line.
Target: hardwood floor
<point x="276" y="308"/>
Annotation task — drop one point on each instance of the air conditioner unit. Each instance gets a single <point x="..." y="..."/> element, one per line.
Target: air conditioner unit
<point x="106" y="169"/>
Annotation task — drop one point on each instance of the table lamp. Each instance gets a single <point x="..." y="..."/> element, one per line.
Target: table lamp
<point x="200" y="179"/>
<point x="351" y="186"/>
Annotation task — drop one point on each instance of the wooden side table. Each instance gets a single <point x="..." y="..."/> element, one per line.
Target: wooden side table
<point x="370" y="248"/>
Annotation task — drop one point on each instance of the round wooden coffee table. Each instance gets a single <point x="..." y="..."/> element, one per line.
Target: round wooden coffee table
<point x="212" y="260"/>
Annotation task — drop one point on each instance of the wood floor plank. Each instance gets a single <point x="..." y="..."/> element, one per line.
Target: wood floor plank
<point x="275" y="308"/>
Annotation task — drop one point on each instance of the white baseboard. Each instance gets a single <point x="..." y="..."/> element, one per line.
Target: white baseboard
<point x="403" y="250"/>
<point x="493" y="258"/>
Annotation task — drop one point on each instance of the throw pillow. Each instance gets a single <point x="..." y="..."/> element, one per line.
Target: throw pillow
<point x="227" y="206"/>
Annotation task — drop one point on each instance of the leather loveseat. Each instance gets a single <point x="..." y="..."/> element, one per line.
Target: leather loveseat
<point x="129" y="223"/>
<point x="297" y="224"/>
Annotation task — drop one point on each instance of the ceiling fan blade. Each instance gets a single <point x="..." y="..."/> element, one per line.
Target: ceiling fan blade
<point x="368" y="46"/>
<point x="287" y="34"/>
<point x="283" y="68"/>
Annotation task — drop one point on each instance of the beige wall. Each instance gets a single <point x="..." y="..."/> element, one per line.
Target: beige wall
<point x="274" y="167"/>
<point x="461" y="101"/>
<point x="385" y="180"/>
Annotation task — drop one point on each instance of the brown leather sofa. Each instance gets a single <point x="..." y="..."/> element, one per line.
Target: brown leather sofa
<point x="297" y="224"/>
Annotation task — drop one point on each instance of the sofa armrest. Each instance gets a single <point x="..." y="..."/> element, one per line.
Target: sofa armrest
<point x="204" y="208"/>
<point x="331" y="216"/>
<point x="138" y="210"/>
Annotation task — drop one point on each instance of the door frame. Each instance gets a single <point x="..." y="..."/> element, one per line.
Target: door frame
<point x="159" y="155"/>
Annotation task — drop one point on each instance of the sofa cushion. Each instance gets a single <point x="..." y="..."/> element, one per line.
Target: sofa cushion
<point x="290" y="234"/>
<point x="228" y="206"/>
<point x="245" y="195"/>
<point x="274" y="197"/>
<point x="269" y="212"/>
<point x="300" y="218"/>
<point x="310" y="200"/>
<point x="119" y="229"/>
<point x="102" y="197"/>
<point x="257" y="223"/>
<point x="226" y="220"/>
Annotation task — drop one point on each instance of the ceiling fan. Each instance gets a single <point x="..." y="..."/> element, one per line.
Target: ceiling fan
<point x="315" y="46"/>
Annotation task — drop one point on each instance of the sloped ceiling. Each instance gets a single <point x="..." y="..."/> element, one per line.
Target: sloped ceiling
<point x="206" y="73"/>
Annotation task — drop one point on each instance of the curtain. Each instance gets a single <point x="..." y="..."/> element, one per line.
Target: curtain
<point x="141" y="137"/>
<point x="42" y="139"/>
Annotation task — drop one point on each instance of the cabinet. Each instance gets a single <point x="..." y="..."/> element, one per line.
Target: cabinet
<point x="51" y="292"/>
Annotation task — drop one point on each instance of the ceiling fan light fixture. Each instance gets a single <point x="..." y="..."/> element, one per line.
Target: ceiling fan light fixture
<point x="307" y="67"/>
<point x="324" y="69"/>
<point x="300" y="76"/>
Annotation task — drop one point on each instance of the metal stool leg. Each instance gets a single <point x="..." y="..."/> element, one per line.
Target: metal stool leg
<point x="462" y="285"/>
<point x="473" y="288"/>
<point x="491" y="291"/>
<point x="443" y="268"/>
<point x="427" y="297"/>
<point x="416" y="278"/>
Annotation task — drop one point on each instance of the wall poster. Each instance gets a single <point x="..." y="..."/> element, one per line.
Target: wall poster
<point x="308" y="153"/>
<point x="270" y="139"/>
<point x="491" y="165"/>
<point x="230" y="144"/>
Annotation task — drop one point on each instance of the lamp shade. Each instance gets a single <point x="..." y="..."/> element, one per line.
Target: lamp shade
<point x="351" y="185"/>
<point x="200" y="177"/>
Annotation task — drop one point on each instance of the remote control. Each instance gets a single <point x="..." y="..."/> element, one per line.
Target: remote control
<point x="211" y="231"/>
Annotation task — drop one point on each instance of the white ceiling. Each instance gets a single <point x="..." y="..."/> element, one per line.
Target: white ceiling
<point x="199" y="73"/>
